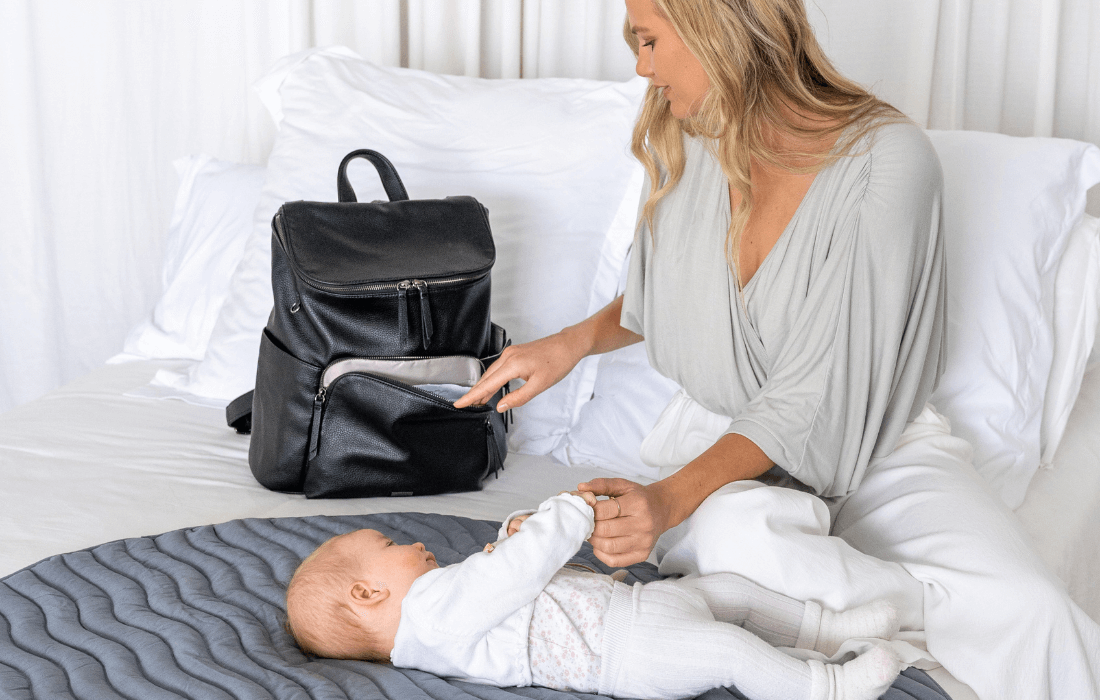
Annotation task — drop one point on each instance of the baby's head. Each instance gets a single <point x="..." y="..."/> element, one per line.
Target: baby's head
<point x="344" y="601"/>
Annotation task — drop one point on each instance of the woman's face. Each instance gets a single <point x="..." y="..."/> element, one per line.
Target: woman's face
<point x="665" y="60"/>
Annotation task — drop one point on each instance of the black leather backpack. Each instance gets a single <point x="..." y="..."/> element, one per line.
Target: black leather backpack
<point x="381" y="320"/>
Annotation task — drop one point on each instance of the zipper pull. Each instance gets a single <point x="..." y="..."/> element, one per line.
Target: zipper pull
<point x="315" y="429"/>
<point x="403" y="308"/>
<point x="425" y="312"/>
<point x="495" y="464"/>
<point x="507" y="414"/>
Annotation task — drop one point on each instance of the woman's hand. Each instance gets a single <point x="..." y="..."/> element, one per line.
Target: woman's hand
<point x="629" y="522"/>
<point x="541" y="364"/>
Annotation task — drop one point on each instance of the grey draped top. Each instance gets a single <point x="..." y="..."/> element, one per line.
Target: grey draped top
<point x="840" y="339"/>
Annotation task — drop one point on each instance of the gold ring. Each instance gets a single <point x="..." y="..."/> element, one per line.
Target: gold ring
<point x="617" y="505"/>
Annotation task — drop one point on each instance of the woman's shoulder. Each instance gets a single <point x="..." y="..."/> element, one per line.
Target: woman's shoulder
<point x="893" y="167"/>
<point x="901" y="154"/>
<point x="902" y="190"/>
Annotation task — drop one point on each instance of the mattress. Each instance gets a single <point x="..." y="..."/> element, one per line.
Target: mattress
<point x="199" y="613"/>
<point x="87" y="464"/>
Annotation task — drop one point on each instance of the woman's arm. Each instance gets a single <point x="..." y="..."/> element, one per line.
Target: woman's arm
<point x="628" y="526"/>
<point x="543" y="363"/>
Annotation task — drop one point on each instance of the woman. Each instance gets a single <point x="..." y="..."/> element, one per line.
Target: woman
<point x="788" y="272"/>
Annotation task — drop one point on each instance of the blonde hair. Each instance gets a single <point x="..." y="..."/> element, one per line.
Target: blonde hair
<point x="763" y="63"/>
<point x="318" y="617"/>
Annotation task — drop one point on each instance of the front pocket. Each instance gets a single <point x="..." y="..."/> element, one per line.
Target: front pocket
<point x="373" y="435"/>
<point x="281" y="411"/>
<point x="389" y="319"/>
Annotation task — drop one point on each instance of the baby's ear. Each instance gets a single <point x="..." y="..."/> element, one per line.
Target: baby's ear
<point x="368" y="592"/>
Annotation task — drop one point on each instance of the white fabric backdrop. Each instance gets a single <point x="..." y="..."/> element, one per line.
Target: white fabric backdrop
<point x="99" y="97"/>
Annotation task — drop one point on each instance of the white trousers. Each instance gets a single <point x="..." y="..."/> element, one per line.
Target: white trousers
<point x="925" y="532"/>
<point x="663" y="640"/>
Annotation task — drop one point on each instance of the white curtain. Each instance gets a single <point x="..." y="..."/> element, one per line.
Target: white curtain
<point x="98" y="97"/>
<point x="1020" y="67"/>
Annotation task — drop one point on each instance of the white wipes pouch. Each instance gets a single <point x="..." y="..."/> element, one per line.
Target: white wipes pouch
<point x="455" y="370"/>
<point x="450" y="392"/>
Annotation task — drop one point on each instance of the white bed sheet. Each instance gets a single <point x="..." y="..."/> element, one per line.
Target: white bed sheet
<point x="87" y="464"/>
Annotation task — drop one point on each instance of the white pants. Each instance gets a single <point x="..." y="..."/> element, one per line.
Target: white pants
<point x="925" y="532"/>
<point x="661" y="640"/>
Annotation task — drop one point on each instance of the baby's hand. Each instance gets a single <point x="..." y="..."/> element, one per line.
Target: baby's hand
<point x="513" y="526"/>
<point x="515" y="523"/>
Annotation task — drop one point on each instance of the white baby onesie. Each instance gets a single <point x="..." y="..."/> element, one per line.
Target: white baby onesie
<point x="566" y="635"/>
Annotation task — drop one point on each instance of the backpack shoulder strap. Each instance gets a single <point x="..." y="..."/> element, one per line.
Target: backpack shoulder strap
<point x="238" y="414"/>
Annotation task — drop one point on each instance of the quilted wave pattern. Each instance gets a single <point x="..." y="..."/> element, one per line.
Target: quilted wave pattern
<point x="200" y="613"/>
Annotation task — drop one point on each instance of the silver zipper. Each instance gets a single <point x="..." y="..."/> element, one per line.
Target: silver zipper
<point x="315" y="424"/>
<point x="396" y="286"/>
<point x="403" y="308"/>
<point x="425" y="313"/>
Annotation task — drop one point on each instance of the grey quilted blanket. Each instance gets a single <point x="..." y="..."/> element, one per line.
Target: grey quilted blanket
<point x="199" y="613"/>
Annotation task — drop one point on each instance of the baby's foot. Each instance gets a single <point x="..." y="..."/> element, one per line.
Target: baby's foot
<point x="878" y="619"/>
<point x="865" y="677"/>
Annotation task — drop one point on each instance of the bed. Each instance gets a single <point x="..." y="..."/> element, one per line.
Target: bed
<point x="139" y="446"/>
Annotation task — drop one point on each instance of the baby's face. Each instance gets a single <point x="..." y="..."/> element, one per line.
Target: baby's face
<point x="394" y="566"/>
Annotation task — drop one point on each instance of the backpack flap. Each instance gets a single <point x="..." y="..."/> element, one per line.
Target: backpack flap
<point x="403" y="277"/>
<point x="349" y="244"/>
<point x="345" y="246"/>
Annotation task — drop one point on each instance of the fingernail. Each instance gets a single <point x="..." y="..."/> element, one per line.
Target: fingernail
<point x="502" y="407"/>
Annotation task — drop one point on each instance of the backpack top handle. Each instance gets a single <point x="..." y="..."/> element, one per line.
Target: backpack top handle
<point x="395" y="190"/>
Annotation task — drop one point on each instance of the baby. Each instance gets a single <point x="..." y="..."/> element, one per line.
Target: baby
<point x="515" y="615"/>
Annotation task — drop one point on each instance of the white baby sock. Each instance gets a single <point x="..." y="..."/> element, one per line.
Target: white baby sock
<point x="878" y="619"/>
<point x="865" y="677"/>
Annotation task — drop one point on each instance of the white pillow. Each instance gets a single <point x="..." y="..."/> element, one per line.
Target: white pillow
<point x="627" y="398"/>
<point x="1076" y="321"/>
<point x="1010" y="204"/>
<point x="549" y="158"/>
<point x="210" y="224"/>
